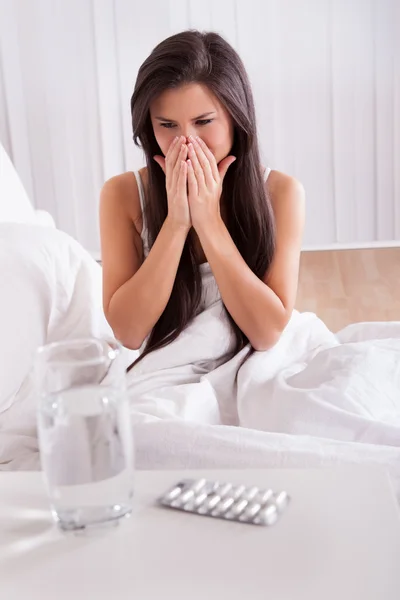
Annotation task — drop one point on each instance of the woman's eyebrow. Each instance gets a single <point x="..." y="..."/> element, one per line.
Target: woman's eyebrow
<point x="195" y="119"/>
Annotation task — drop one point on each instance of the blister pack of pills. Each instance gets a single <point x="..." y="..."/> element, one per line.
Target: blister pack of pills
<point x="226" y="500"/>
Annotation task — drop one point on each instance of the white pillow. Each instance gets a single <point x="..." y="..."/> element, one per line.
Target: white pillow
<point x="51" y="289"/>
<point x="15" y="206"/>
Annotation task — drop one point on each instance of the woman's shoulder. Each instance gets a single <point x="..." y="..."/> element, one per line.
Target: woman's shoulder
<point x="123" y="185"/>
<point x="279" y="183"/>
<point x="287" y="197"/>
<point x="121" y="194"/>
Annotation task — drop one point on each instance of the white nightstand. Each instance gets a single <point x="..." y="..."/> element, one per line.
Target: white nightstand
<point x="338" y="540"/>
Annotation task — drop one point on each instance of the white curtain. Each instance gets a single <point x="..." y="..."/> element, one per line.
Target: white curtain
<point x="326" y="81"/>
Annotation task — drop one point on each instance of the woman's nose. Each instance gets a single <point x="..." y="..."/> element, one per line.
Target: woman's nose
<point x="187" y="133"/>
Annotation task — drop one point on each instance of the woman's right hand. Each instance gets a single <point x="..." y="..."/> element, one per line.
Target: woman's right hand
<point x="175" y="169"/>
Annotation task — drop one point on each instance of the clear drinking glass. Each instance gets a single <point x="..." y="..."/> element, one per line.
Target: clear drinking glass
<point x="85" y="437"/>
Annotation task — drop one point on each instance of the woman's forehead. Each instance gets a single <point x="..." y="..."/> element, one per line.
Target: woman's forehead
<point x="190" y="100"/>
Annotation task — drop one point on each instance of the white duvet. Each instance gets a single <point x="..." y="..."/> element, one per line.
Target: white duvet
<point x="314" y="399"/>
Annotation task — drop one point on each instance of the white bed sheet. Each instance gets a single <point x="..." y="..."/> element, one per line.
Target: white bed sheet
<point x="315" y="399"/>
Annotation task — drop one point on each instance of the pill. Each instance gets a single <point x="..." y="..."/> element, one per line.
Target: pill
<point x="198" y="485"/>
<point x="250" y="493"/>
<point x="223" y="506"/>
<point x="238" y="491"/>
<point x="209" y="503"/>
<point x="223" y="489"/>
<point x="235" y="509"/>
<point x="250" y="512"/>
<point x="264" y="496"/>
<point x="213" y="501"/>
<point x="186" y="496"/>
<point x="267" y="515"/>
<point x="200" y="499"/>
<point x="239" y="506"/>
<point x="281" y="500"/>
<point x="174" y="493"/>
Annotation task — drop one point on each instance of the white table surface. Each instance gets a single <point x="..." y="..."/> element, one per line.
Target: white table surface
<point x="339" y="539"/>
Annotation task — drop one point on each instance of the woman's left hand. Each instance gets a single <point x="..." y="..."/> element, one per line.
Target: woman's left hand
<point x="205" y="179"/>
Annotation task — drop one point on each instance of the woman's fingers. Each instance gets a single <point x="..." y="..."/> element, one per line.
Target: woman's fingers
<point x="182" y="179"/>
<point x="202" y="160"/>
<point x="192" y="181"/>
<point x="206" y="152"/>
<point x="197" y="167"/>
<point x="182" y="155"/>
<point x="172" y="157"/>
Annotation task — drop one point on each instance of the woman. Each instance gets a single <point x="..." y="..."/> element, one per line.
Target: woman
<point x="204" y="219"/>
<point x="219" y="229"/>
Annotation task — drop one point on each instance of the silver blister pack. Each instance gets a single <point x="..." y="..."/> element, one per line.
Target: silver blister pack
<point x="225" y="500"/>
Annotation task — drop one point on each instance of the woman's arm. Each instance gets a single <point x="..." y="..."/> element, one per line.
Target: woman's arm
<point x="261" y="308"/>
<point x="135" y="293"/>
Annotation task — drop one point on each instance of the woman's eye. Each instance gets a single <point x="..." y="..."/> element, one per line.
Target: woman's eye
<point x="200" y="122"/>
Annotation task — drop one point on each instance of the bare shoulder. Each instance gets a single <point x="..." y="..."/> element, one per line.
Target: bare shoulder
<point x="120" y="195"/>
<point x="287" y="197"/>
<point x="120" y="227"/>
<point x="282" y="186"/>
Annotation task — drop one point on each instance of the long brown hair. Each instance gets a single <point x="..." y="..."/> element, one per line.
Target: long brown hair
<point x="195" y="57"/>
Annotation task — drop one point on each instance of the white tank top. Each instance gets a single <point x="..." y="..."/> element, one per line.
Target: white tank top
<point x="210" y="291"/>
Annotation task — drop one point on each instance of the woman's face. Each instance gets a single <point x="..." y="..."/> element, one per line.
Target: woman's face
<point x="192" y="109"/>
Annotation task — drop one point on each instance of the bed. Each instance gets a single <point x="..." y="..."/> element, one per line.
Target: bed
<point x="315" y="399"/>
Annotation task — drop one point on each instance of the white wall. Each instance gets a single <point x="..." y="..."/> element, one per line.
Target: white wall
<point x="326" y="80"/>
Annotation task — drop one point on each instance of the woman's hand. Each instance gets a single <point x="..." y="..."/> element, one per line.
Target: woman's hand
<point x="205" y="179"/>
<point x="175" y="168"/>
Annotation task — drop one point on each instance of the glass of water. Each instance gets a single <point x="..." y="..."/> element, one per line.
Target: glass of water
<point x="85" y="437"/>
